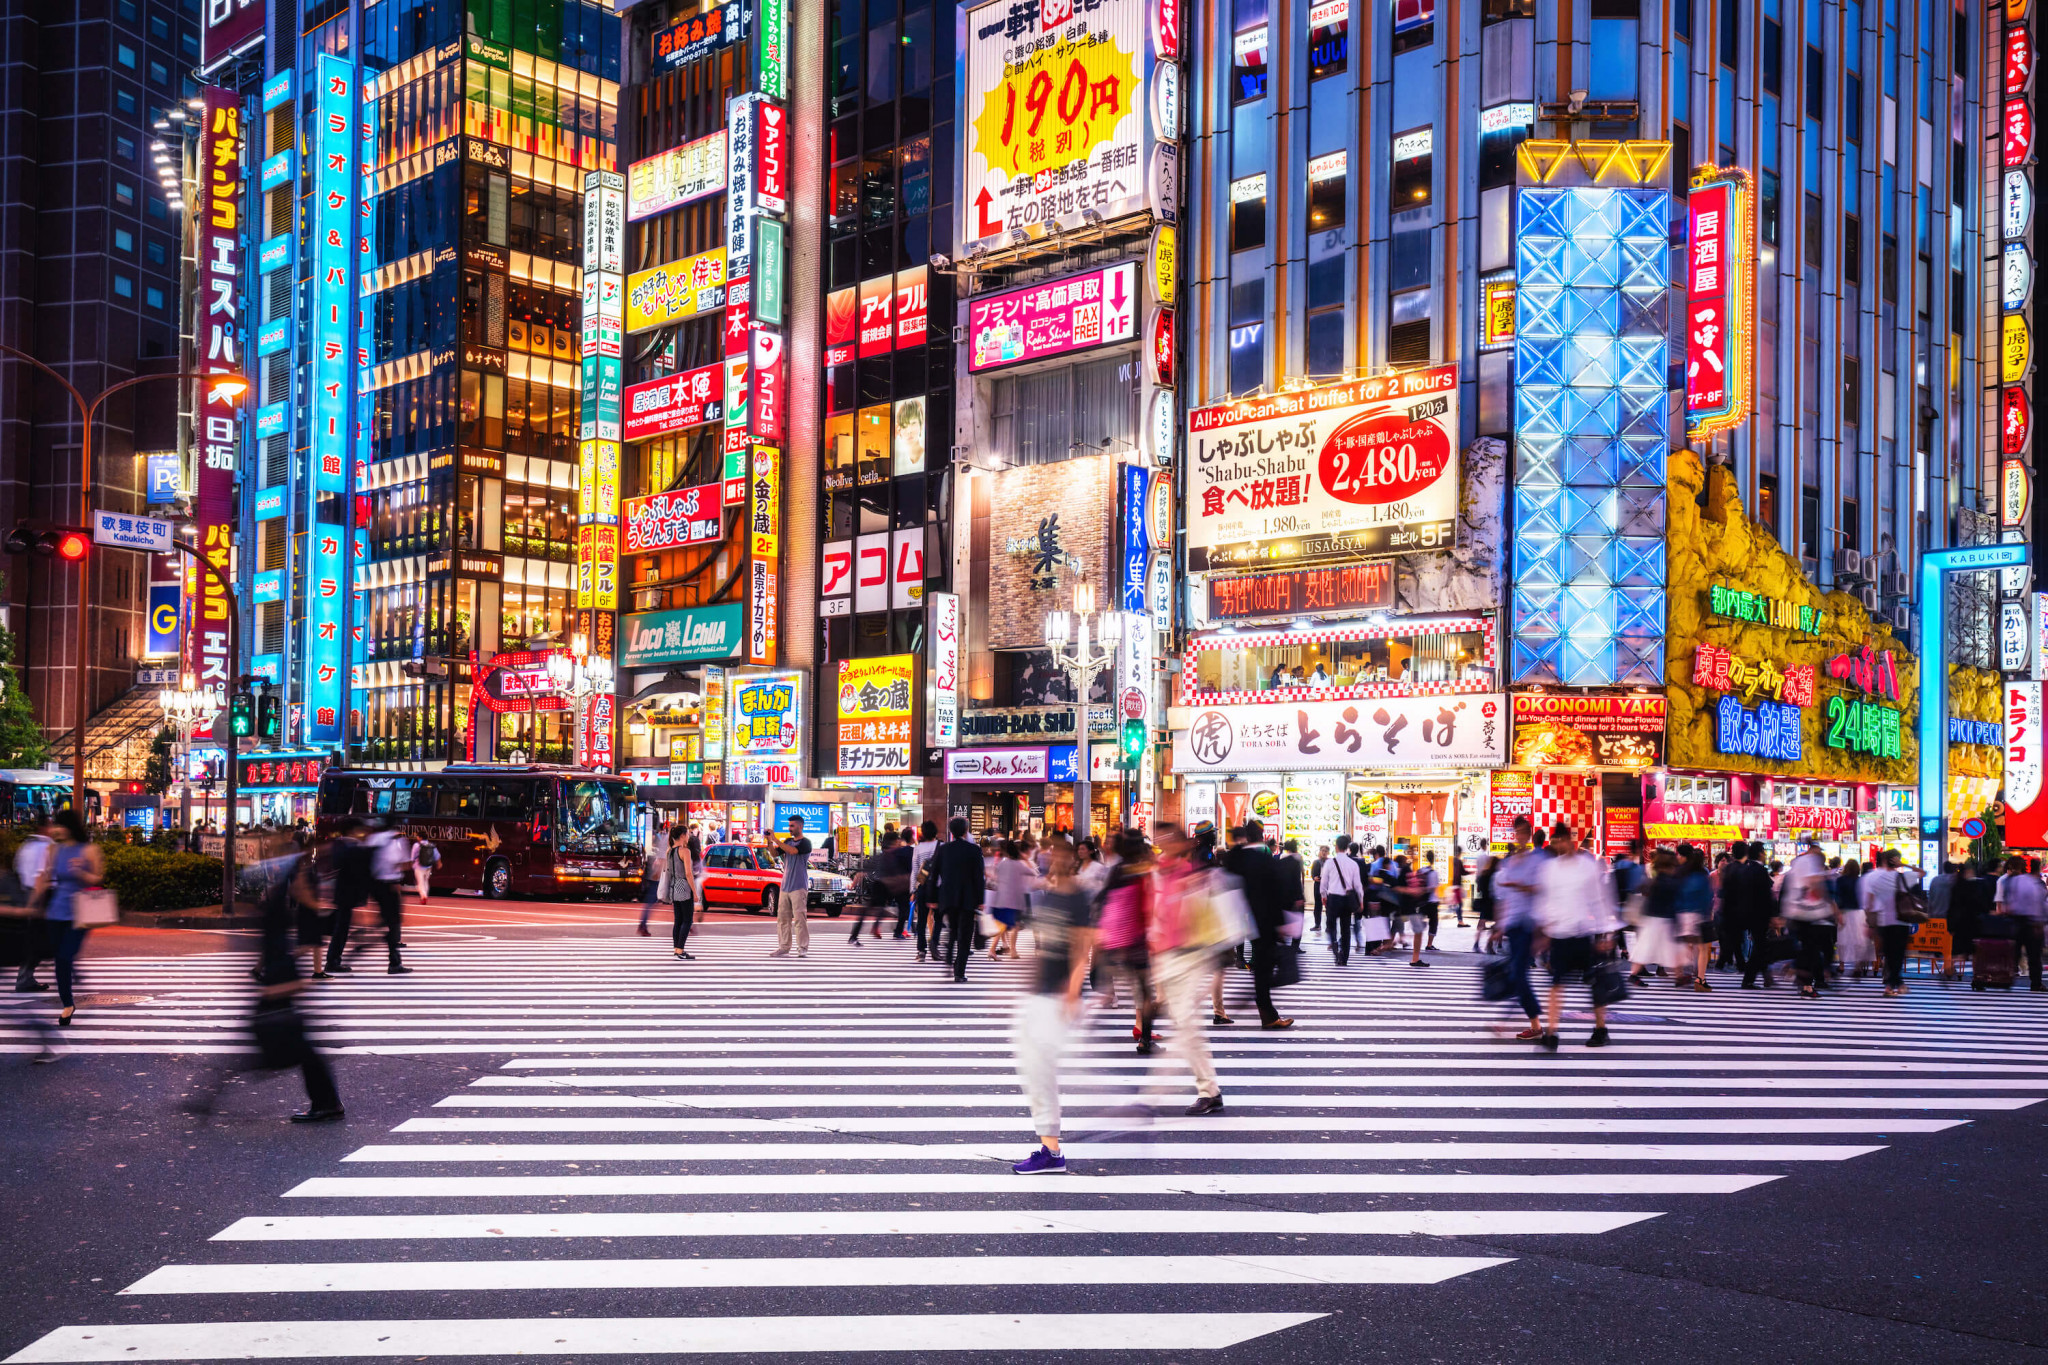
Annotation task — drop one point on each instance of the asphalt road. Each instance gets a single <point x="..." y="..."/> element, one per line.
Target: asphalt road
<point x="561" y="1141"/>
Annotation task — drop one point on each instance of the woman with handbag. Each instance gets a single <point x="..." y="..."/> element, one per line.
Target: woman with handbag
<point x="74" y="899"/>
<point x="678" y="886"/>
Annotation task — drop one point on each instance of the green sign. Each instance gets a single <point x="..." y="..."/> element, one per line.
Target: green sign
<point x="768" y="269"/>
<point x="490" y="52"/>
<point x="673" y="637"/>
<point x="1863" y="727"/>
<point x="1744" y="605"/>
<point x="772" y="62"/>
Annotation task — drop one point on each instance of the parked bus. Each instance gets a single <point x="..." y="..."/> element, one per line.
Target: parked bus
<point x="33" y="795"/>
<point x="502" y="829"/>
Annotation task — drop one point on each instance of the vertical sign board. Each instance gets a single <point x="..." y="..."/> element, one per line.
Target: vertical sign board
<point x="1720" y="306"/>
<point x="597" y="531"/>
<point x="220" y="350"/>
<point x="2026" y="807"/>
<point x="943" y="680"/>
<point x="1137" y="546"/>
<point x="336" y="173"/>
<point x="225" y="26"/>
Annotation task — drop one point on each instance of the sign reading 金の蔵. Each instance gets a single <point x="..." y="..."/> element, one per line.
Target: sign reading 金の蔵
<point x="874" y="715"/>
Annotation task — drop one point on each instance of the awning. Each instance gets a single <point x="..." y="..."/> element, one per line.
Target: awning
<point x="675" y="681"/>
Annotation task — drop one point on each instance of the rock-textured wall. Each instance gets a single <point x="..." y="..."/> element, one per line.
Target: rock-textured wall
<point x="1466" y="577"/>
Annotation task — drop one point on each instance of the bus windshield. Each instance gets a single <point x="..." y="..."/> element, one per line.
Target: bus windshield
<point x="595" y="818"/>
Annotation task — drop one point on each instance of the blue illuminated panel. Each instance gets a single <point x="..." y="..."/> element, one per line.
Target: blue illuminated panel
<point x="335" y="175"/>
<point x="1591" y="414"/>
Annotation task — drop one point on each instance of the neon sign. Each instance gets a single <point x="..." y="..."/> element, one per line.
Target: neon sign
<point x="1772" y="730"/>
<point x="1718" y="668"/>
<point x="1867" y="671"/>
<point x="1743" y="605"/>
<point x="1864" y="727"/>
<point x="1720" y="306"/>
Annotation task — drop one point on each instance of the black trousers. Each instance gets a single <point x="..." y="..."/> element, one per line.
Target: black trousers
<point x="1892" y="938"/>
<point x="319" y="1078"/>
<point x="1732" y="953"/>
<point x="1319" y="910"/>
<point x="686" y="916"/>
<point x="2028" y="937"/>
<point x="960" y="926"/>
<point x="1816" y="950"/>
<point x="337" y="939"/>
<point x="1263" y="953"/>
<point x="1337" y="910"/>
<point x="391" y="910"/>
<point x="34" y="936"/>
<point x="930" y="919"/>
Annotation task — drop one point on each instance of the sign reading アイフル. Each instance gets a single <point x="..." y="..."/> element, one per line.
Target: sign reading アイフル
<point x="1053" y="115"/>
<point x="1411" y="732"/>
<point x="1364" y="468"/>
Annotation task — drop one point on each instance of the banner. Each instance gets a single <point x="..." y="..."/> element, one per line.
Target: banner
<point x="874" y="715"/>
<point x="207" y="659"/>
<point x="1412" y="732"/>
<point x="1338" y="472"/>
<point x="1588" y="730"/>
<point x="1042" y="320"/>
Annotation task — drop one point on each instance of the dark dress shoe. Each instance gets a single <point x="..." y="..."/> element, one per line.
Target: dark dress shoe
<point x="317" y="1116"/>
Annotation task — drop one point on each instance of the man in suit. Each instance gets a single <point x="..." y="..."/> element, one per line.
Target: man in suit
<point x="1269" y="898"/>
<point x="962" y="886"/>
<point x="350" y="861"/>
<point x="1749" y="904"/>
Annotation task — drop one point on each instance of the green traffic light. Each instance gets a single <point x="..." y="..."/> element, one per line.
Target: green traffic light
<point x="1133" y="742"/>
<point x="242" y="715"/>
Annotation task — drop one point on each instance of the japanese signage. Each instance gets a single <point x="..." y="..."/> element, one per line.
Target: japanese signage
<point x="2026" y="805"/>
<point x="1588" y="730"/>
<point x="678" y="290"/>
<point x="163" y="620"/>
<point x="998" y="765"/>
<point x="943" y="685"/>
<point x="668" y="521"/>
<point x="1053" y="113"/>
<point x="698" y="35"/>
<point x="767" y="722"/>
<point x="1863" y="727"/>
<point x="771" y="151"/>
<point x="1770" y="730"/>
<point x="874" y="715"/>
<point x="1784" y="613"/>
<point x="1717" y="667"/>
<point x="1301" y="592"/>
<point x="674" y="402"/>
<point x="336" y="152"/>
<point x="271" y="772"/>
<point x="1365" y="468"/>
<point x="131" y="532"/>
<point x="767" y="385"/>
<point x="227" y="25"/>
<point x="741" y="184"/>
<point x="668" y="637"/>
<point x="1511" y="794"/>
<point x="1042" y="320"/>
<point x="597" y="529"/>
<point x="771" y="50"/>
<point x="1413" y="732"/>
<point x="1720" y="301"/>
<point x="678" y="176"/>
<point x="764" y="534"/>
<point x="1137" y="547"/>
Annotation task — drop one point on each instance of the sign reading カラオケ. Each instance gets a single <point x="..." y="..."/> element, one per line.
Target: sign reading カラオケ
<point x="1365" y="468"/>
<point x="1053" y="114"/>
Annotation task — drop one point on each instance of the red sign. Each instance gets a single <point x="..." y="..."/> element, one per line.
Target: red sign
<point x="275" y="771"/>
<point x="877" y="321"/>
<point x="2019" y="58"/>
<point x="1167" y="19"/>
<point x="771" y="150"/>
<point x="767" y="388"/>
<point x="911" y="307"/>
<point x="739" y="315"/>
<point x="1825" y="819"/>
<point x="2016" y="425"/>
<point x="673" y="403"/>
<point x="1624" y="825"/>
<point x="1513" y="794"/>
<point x="1709" y="281"/>
<point x="668" y="521"/>
<point x="1053" y="317"/>
<point x="1299" y="592"/>
<point x="1867" y="671"/>
<point x="2019" y="133"/>
<point x="1588" y="730"/>
<point x="1382" y="457"/>
<point x="1159" y="343"/>
<point x="227" y="25"/>
<point x="840" y="311"/>
<point x="594" y="744"/>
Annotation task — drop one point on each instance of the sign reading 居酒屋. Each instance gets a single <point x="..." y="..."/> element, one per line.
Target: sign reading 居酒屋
<point x="1032" y="155"/>
<point x="674" y="402"/>
<point x="1041" y="320"/>
<point x="874" y="715"/>
<point x="1719" y="300"/>
<point x="1364" y="468"/>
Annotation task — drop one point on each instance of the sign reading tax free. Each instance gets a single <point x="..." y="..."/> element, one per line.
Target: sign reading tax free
<point x="1364" y="468"/>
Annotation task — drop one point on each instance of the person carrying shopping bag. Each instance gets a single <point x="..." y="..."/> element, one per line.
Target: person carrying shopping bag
<point x="73" y="902"/>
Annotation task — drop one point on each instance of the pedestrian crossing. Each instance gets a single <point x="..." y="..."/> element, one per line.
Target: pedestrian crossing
<point x="738" y="1155"/>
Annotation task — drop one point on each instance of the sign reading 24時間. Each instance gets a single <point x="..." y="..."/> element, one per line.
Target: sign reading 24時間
<point x="1365" y="468"/>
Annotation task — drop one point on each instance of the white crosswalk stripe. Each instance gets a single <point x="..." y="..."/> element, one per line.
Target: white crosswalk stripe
<point x="842" y="1125"/>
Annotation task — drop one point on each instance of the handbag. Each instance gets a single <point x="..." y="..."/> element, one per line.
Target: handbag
<point x="1286" y="969"/>
<point x="280" y="1033"/>
<point x="1495" y="981"/>
<point x="1610" y="983"/>
<point x="94" y="905"/>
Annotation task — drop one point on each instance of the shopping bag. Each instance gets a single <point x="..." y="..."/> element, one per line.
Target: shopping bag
<point x="1610" y="984"/>
<point x="95" y="905"/>
<point x="1377" y="929"/>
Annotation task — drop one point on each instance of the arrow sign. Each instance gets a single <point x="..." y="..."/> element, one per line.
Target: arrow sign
<point x="985" y="226"/>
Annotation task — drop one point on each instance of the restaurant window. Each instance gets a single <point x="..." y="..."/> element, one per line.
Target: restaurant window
<point x="1329" y="38"/>
<point x="1453" y="653"/>
<point x="1248" y="213"/>
<point x="1414" y="168"/>
<point x="1250" y="51"/>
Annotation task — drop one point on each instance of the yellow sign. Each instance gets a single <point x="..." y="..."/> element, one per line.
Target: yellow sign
<point x="1496" y="312"/>
<point x="2016" y="349"/>
<point x="678" y="290"/>
<point x="764" y="503"/>
<point x="1595" y="162"/>
<point x="1694" y="833"/>
<point x="1165" y="263"/>
<point x="2016" y="11"/>
<point x="874" y="714"/>
<point x="1056" y="106"/>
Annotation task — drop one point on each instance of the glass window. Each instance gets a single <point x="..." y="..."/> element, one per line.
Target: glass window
<point x="1445" y="657"/>
<point x="458" y="800"/>
<point x="1249" y="49"/>
<point x="872" y="454"/>
<point x="124" y="240"/>
<point x="594" y="817"/>
<point x="124" y="287"/>
<point x="1248" y="213"/>
<point x="1326" y="344"/>
<point x="1329" y="38"/>
<point x="155" y="297"/>
<point x="125" y="55"/>
<point x="882" y="63"/>
<point x="1413" y="169"/>
<point x="508" y="799"/>
<point x="1326" y="185"/>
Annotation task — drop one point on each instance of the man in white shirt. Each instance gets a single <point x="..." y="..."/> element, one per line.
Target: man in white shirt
<point x="2024" y="900"/>
<point x="29" y="861"/>
<point x="390" y="853"/>
<point x="1343" y="891"/>
<point x="1514" y="902"/>
<point x="1575" y="907"/>
<point x="924" y="922"/>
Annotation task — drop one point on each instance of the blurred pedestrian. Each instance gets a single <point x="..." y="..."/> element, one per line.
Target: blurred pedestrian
<point x="1656" y="942"/>
<point x="389" y="859"/>
<point x="1575" y="906"/>
<point x="1810" y="912"/>
<point x="75" y="864"/>
<point x="1882" y="891"/>
<point x="1063" y="927"/>
<point x="2023" y="902"/>
<point x="1011" y="896"/>
<point x="1515" y="886"/>
<point x="1183" y="956"/>
<point x="1272" y="891"/>
<point x="925" y="920"/>
<point x="350" y="860"/>
<point x="29" y="861"/>
<point x="651" y="875"/>
<point x="1122" y="929"/>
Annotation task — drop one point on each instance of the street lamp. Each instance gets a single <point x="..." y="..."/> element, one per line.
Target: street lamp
<point x="223" y="387"/>
<point x="1066" y="635"/>
<point x="578" y="675"/>
<point x="184" y="707"/>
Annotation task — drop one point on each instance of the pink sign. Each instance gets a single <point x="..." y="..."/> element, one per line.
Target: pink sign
<point x="673" y="403"/>
<point x="1073" y="314"/>
<point x="668" y="521"/>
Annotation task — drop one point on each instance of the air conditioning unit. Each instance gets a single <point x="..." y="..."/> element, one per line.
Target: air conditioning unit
<point x="1849" y="563"/>
<point x="1902" y="616"/>
<point x="1895" y="583"/>
<point x="1869" y="597"/>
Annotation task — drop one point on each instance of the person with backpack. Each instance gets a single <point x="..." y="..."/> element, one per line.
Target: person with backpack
<point x="426" y="856"/>
<point x="2023" y="903"/>
<point x="1811" y="914"/>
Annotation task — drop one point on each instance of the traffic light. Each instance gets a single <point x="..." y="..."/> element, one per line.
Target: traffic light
<point x="241" y="715"/>
<point x="269" y="713"/>
<point x="53" y="542"/>
<point x="1133" y="743"/>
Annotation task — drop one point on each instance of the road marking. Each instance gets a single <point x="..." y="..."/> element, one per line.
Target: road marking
<point x="803" y="1272"/>
<point x="556" y="1336"/>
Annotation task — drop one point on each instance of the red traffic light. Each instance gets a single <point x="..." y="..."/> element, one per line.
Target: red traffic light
<point x="72" y="545"/>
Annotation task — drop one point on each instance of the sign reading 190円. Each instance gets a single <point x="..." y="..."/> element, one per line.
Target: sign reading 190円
<point x="1364" y="468"/>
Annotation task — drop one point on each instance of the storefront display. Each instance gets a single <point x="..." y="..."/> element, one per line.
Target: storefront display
<point x="1409" y="658"/>
<point x="1433" y="732"/>
<point x="1588" y="729"/>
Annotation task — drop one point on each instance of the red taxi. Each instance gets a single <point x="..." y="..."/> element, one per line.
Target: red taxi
<point x="749" y="877"/>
